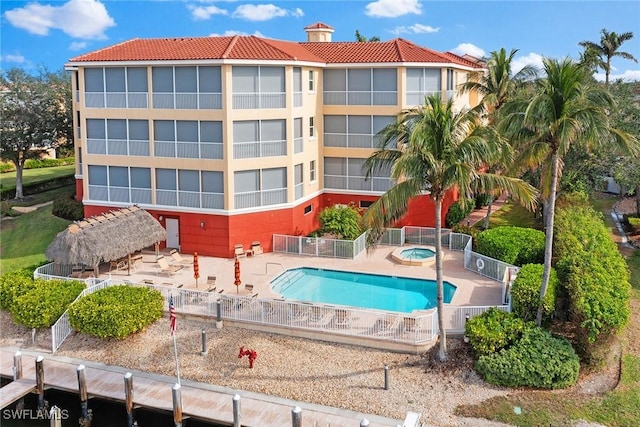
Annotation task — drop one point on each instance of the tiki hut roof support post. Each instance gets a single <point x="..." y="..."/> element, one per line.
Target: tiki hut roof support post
<point x="106" y="237"/>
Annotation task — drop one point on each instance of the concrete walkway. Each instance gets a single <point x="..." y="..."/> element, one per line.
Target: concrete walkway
<point x="478" y="215"/>
<point x="27" y="209"/>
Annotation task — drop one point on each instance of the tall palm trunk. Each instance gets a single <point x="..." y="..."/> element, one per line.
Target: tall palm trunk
<point x="638" y="199"/>
<point x="486" y="218"/>
<point x="548" y="242"/>
<point x="442" y="352"/>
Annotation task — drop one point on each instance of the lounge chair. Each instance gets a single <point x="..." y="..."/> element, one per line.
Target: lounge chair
<point x="342" y="318"/>
<point x="238" y="250"/>
<point x="256" y="248"/>
<point x="211" y="283"/>
<point x="249" y="287"/>
<point x="167" y="269"/>
<point x="178" y="258"/>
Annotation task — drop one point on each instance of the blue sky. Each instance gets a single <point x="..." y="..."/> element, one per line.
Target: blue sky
<point x="48" y="33"/>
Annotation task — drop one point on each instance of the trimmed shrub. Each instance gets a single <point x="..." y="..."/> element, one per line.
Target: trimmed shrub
<point x="493" y="331"/>
<point x="457" y="212"/>
<point x="116" y="311"/>
<point x="482" y="200"/>
<point x="65" y="206"/>
<point x="513" y="245"/>
<point x="471" y="231"/>
<point x="525" y="293"/>
<point x="13" y="285"/>
<point x="42" y="305"/>
<point x="538" y="360"/>
<point x="342" y="221"/>
<point x="632" y="220"/>
<point x="594" y="276"/>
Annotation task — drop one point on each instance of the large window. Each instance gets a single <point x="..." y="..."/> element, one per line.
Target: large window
<point x="259" y="138"/>
<point x="360" y="86"/>
<point x="120" y="184"/>
<point x="423" y="82"/>
<point x="298" y="179"/>
<point x="297" y="87"/>
<point x="118" y="137"/>
<point x="187" y="87"/>
<point x="260" y="187"/>
<point x="258" y="87"/>
<point x="348" y="174"/>
<point x="116" y="87"/>
<point x="189" y="188"/>
<point x="189" y="139"/>
<point x="354" y="131"/>
<point x="298" y="141"/>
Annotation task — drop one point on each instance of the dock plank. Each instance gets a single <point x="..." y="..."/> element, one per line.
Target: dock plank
<point x="15" y="390"/>
<point x="202" y="401"/>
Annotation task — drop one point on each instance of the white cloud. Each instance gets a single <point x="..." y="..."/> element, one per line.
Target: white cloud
<point x="415" y="29"/>
<point x="200" y="13"/>
<point x="77" y="45"/>
<point x="85" y="19"/>
<point x="533" y="59"/>
<point x="468" y="49"/>
<point x="393" y="8"/>
<point x="17" y="59"/>
<point x="236" y="33"/>
<point x="264" y="12"/>
<point x="627" y="76"/>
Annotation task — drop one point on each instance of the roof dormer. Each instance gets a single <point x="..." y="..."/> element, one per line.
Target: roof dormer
<point x="318" y="32"/>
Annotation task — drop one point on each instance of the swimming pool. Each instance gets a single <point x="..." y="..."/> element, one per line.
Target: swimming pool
<point x="376" y="291"/>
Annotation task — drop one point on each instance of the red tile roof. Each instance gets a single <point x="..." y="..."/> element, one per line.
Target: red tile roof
<point x="258" y="48"/>
<point x="318" y="26"/>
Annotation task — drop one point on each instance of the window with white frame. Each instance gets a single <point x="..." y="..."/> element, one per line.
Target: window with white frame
<point x="258" y="87"/>
<point x="120" y="184"/>
<point x="260" y="187"/>
<point x="451" y="84"/>
<point x="312" y="171"/>
<point x="348" y="174"/>
<point x="118" y="137"/>
<point x="298" y="141"/>
<point x="298" y="179"/>
<point x="184" y="87"/>
<point x="312" y="128"/>
<point x="422" y="82"/>
<point x="297" y="87"/>
<point x="312" y="81"/>
<point x="259" y="138"/>
<point x="190" y="139"/>
<point x="116" y="87"/>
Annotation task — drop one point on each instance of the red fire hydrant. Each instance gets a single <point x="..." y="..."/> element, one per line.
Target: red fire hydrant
<point x="251" y="353"/>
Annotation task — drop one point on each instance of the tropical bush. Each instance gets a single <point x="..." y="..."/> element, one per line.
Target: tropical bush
<point x="537" y="359"/>
<point x="482" y="200"/>
<point x="343" y="221"/>
<point x="469" y="230"/>
<point x="593" y="274"/>
<point x="493" y="331"/>
<point x="14" y="284"/>
<point x="116" y="311"/>
<point x="38" y="164"/>
<point x="65" y="206"/>
<point x="43" y="304"/>
<point x="457" y="212"/>
<point x="513" y="245"/>
<point x="525" y="293"/>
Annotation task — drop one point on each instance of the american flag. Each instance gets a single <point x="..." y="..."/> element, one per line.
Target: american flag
<point x="172" y="315"/>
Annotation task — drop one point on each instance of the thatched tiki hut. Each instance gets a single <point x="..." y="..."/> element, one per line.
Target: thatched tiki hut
<point x="110" y="236"/>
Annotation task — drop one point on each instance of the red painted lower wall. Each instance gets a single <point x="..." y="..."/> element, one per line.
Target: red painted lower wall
<point x="216" y="235"/>
<point x="79" y="190"/>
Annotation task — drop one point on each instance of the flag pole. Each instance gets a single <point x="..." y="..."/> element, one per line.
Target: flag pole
<point x="175" y="352"/>
<point x="173" y="321"/>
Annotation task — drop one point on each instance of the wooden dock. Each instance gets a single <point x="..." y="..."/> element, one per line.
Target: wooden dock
<point x="206" y="402"/>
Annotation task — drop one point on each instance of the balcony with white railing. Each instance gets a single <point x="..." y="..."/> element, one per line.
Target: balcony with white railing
<point x="116" y="99"/>
<point x="298" y="145"/>
<point x="187" y="101"/>
<point x="351" y="140"/>
<point x="250" y="199"/>
<point x="259" y="100"/>
<point x="248" y="150"/>
<point x="297" y="99"/>
<point x="360" y="97"/>
<point x="417" y="97"/>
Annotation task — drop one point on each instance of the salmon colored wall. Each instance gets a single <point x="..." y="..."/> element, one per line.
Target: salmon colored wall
<point x="79" y="190"/>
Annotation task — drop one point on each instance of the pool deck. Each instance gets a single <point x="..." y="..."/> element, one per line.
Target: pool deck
<point x="472" y="288"/>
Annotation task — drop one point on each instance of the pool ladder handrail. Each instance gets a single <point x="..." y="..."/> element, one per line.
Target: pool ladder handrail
<point x="286" y="272"/>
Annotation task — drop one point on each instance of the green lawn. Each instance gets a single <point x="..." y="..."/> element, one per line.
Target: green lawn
<point x="512" y="214"/>
<point x="34" y="176"/>
<point x="24" y="239"/>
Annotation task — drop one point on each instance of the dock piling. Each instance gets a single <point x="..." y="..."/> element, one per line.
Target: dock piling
<point x="40" y="382"/>
<point x="236" y="410"/>
<point x="204" y="343"/>
<point x="128" y="396"/>
<point x="55" y="417"/>
<point x="82" y="393"/>
<point x="219" y="314"/>
<point x="176" y="393"/>
<point x="386" y="377"/>
<point x="296" y="417"/>
<point x="364" y="423"/>
<point x="17" y="366"/>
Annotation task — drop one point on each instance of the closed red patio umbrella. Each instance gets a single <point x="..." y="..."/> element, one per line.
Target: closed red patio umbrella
<point x="237" y="275"/>
<point x="196" y="268"/>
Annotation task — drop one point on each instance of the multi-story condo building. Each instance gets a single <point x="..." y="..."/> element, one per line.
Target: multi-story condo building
<point x="228" y="140"/>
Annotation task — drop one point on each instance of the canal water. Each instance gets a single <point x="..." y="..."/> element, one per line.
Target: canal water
<point x="105" y="413"/>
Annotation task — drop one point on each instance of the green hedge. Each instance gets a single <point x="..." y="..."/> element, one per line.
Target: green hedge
<point x="493" y="330"/>
<point x="525" y="293"/>
<point x="594" y="276"/>
<point x="116" y="311"/>
<point x="457" y="212"/>
<point x="38" y="164"/>
<point x="538" y="360"/>
<point x="39" y="187"/>
<point x="13" y="285"/>
<point x="65" y="206"/>
<point x="342" y="221"/>
<point x="42" y="305"/>
<point x="513" y="245"/>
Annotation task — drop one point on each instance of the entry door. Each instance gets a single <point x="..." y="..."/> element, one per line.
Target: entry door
<point x="173" y="233"/>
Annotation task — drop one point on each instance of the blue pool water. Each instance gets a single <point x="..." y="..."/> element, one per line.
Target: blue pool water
<point x="376" y="291"/>
<point x="417" y="253"/>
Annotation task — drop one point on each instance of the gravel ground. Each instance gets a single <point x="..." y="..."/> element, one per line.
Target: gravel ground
<point x="304" y="370"/>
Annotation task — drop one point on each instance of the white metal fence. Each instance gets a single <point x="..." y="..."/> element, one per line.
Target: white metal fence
<point x="319" y="246"/>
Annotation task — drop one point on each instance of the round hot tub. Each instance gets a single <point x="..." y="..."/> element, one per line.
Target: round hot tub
<point x="419" y="255"/>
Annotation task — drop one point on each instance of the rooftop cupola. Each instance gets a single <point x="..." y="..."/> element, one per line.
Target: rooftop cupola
<point x="318" y="32"/>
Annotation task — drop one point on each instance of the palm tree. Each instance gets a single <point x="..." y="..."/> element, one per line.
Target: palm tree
<point x="496" y="86"/>
<point x="610" y="42"/>
<point x="566" y="108"/>
<point x="432" y="148"/>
